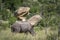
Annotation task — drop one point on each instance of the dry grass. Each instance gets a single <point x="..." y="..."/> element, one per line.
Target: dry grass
<point x="40" y="35"/>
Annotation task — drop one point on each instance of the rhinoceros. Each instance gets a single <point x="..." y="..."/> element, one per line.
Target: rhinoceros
<point x="22" y="27"/>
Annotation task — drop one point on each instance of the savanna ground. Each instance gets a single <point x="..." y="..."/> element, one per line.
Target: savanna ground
<point x="49" y="33"/>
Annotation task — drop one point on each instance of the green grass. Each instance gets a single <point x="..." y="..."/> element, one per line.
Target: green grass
<point x="40" y="35"/>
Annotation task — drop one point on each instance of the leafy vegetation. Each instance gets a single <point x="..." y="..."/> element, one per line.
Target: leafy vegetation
<point x="50" y="15"/>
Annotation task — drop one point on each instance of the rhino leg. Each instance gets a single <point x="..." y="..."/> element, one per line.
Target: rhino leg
<point x="32" y="32"/>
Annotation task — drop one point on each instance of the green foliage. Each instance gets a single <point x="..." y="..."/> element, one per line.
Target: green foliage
<point x="12" y="20"/>
<point x="50" y="18"/>
<point x="4" y="25"/>
<point x="50" y="14"/>
<point x="5" y="14"/>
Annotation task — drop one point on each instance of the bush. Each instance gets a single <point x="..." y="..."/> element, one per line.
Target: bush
<point x="4" y="26"/>
<point x="12" y="20"/>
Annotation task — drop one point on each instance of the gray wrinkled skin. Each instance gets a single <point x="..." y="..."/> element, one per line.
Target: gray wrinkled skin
<point x="22" y="26"/>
